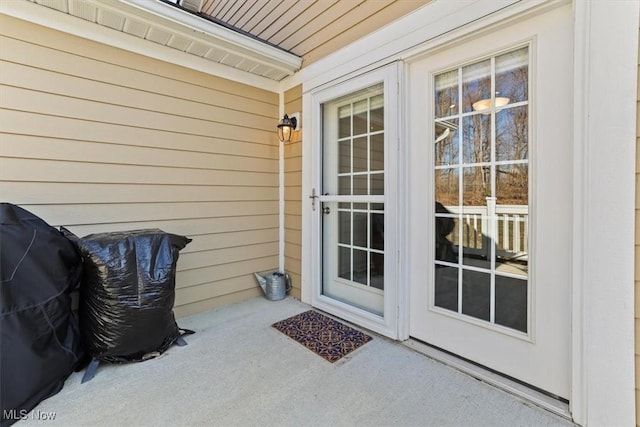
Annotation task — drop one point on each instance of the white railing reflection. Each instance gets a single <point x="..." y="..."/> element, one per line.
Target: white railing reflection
<point x="506" y="225"/>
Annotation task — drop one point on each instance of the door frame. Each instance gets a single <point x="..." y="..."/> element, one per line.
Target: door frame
<point x="389" y="75"/>
<point x="603" y="380"/>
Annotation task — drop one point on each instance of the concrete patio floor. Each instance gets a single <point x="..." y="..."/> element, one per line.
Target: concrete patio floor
<point x="239" y="371"/>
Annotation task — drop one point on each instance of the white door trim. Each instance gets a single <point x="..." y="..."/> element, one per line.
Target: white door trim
<point x="605" y="67"/>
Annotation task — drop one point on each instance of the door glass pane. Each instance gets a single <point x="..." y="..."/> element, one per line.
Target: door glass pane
<point x="360" y="229"/>
<point x="376" y="219"/>
<point x="512" y="188"/>
<point x="377" y="152"/>
<point x="476" y="86"/>
<point x="446" y="287"/>
<point x="446" y="186"/>
<point x="446" y="94"/>
<point x="344" y="121"/>
<point x="344" y="185"/>
<point x="360" y="117"/>
<point x="344" y="226"/>
<point x="482" y="202"/>
<point x="360" y="154"/>
<point x="512" y="184"/>
<point x="377" y="231"/>
<point x="446" y="240"/>
<point x="512" y="133"/>
<point x="511" y="302"/>
<point x="360" y="266"/>
<point x="512" y="75"/>
<point x="476" y="186"/>
<point x="476" y="293"/>
<point x="360" y="184"/>
<point x="344" y="156"/>
<point x="377" y="270"/>
<point x="376" y="113"/>
<point x="446" y="142"/>
<point x="344" y="262"/>
<point x="377" y="184"/>
<point x="476" y="140"/>
<point x="476" y="246"/>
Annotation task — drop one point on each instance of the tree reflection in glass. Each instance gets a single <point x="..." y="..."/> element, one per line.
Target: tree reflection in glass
<point x="481" y="170"/>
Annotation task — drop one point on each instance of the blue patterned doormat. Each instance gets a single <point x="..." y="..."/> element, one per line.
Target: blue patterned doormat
<point x="323" y="335"/>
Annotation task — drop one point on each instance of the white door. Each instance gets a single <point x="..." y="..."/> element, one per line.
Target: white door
<point x="490" y="200"/>
<point x="353" y="199"/>
<point x="355" y="147"/>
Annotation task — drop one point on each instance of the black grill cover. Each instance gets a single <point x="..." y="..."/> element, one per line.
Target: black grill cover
<point x="127" y="293"/>
<point x="40" y="345"/>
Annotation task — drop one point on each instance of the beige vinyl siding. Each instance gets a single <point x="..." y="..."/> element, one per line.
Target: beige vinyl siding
<point x="293" y="196"/>
<point x="637" y="263"/>
<point x="99" y="139"/>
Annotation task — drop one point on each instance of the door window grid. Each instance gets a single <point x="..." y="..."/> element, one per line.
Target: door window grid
<point x="361" y="147"/>
<point x="372" y="246"/>
<point x="361" y="172"/>
<point x="468" y="287"/>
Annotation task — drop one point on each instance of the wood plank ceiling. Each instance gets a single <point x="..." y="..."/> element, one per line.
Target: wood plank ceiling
<point x="310" y="29"/>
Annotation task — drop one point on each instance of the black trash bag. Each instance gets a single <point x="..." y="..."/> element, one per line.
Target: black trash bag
<point x="127" y="293"/>
<point x="40" y="341"/>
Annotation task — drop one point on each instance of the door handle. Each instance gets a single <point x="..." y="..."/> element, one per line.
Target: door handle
<point x="313" y="198"/>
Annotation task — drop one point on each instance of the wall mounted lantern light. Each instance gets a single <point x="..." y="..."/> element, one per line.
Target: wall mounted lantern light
<point x="286" y="127"/>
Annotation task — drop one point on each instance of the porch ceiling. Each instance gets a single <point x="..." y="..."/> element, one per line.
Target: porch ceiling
<point x="268" y="38"/>
<point x="310" y="29"/>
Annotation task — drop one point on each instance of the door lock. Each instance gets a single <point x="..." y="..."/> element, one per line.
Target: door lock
<point x="326" y="210"/>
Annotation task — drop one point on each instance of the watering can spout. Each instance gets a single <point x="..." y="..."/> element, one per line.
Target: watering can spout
<point x="262" y="281"/>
